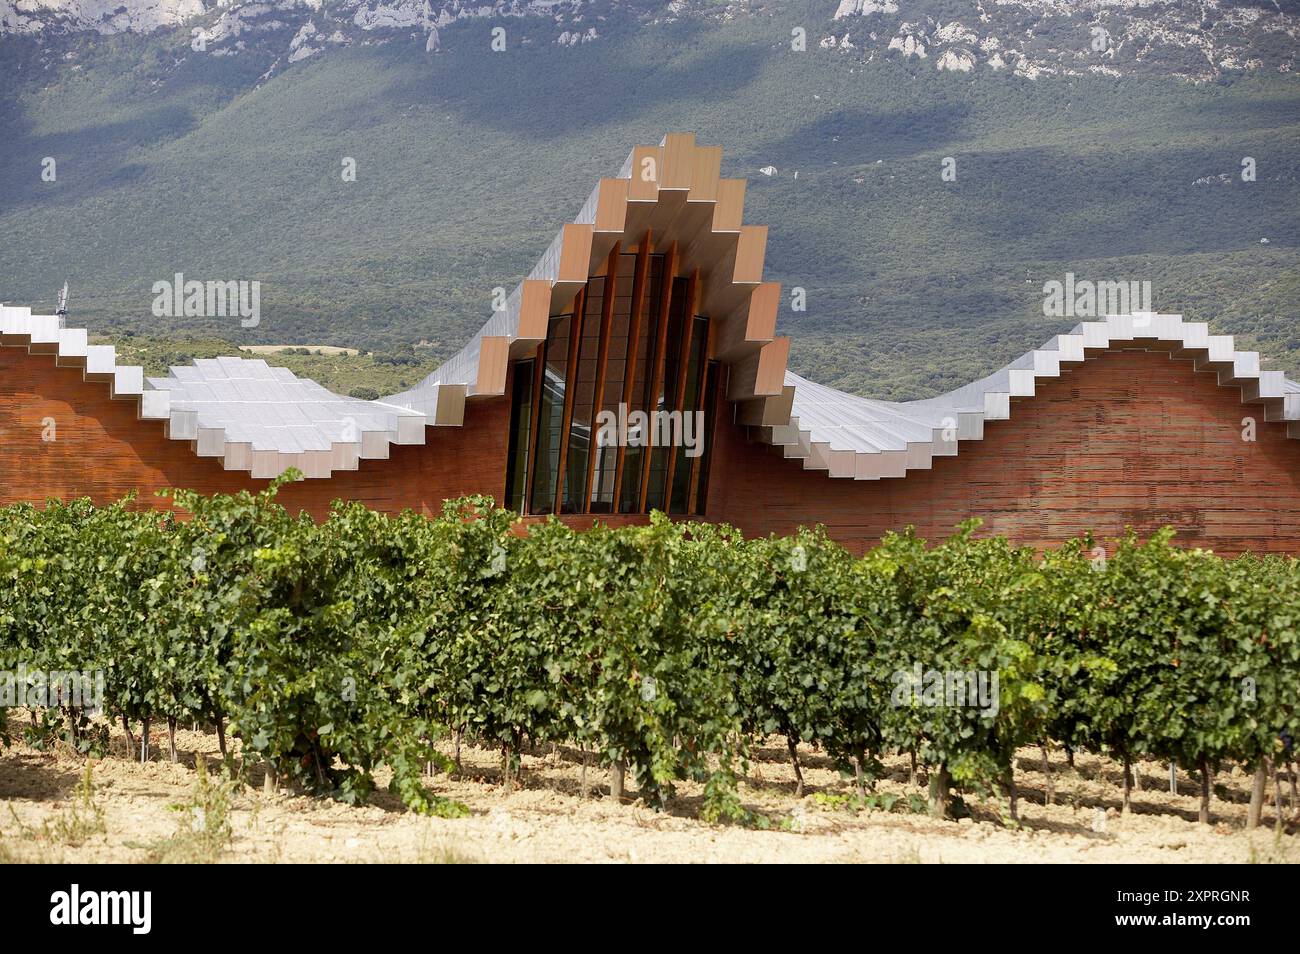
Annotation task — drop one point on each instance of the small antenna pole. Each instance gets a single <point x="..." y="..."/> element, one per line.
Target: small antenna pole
<point x="62" y="311"/>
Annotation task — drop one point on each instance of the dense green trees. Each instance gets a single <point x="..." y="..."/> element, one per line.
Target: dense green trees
<point x="664" y="651"/>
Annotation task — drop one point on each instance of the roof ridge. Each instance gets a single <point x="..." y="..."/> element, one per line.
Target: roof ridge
<point x="336" y="435"/>
<point x="827" y="429"/>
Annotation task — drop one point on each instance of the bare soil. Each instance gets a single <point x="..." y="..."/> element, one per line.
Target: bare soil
<point x="563" y="813"/>
<point x="275" y="349"/>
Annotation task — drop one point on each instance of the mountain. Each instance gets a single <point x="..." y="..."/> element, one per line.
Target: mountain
<point x="1028" y="37"/>
<point x="226" y="163"/>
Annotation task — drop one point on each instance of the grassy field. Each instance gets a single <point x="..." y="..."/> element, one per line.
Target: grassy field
<point x="339" y="370"/>
<point x="467" y="161"/>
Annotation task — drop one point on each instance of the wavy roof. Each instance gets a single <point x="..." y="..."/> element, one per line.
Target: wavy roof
<point x="856" y="437"/>
<point x="249" y="415"/>
<point x="264" y="420"/>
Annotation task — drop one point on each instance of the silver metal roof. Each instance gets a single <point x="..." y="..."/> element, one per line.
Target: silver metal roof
<point x="250" y="415"/>
<point x="264" y="420"/>
<point x="856" y="437"/>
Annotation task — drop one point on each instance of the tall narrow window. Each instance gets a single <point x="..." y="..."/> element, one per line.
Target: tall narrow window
<point x="667" y="398"/>
<point x="642" y="382"/>
<point x="710" y="415"/>
<point x="604" y="470"/>
<point x="616" y="412"/>
<point x="550" y="415"/>
<point x="582" y="422"/>
<point x="521" y="422"/>
<point x="691" y="436"/>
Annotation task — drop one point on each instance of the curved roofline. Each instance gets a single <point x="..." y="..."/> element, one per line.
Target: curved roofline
<point x="264" y="420"/>
<point x="679" y="195"/>
<point x="856" y="437"/>
<point x="241" y="411"/>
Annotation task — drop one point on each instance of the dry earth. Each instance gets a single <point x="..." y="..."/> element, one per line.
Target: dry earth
<point x="564" y="814"/>
<point x="323" y="349"/>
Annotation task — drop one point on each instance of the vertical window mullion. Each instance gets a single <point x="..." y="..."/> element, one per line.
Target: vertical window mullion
<point x="553" y="391"/>
<point x="539" y="375"/>
<point x="657" y="378"/>
<point x="677" y="401"/>
<point x="700" y="477"/>
<point x="584" y="390"/>
<point x="643" y="378"/>
<point x="639" y="283"/>
<point x="566" y="419"/>
<point x="519" y="453"/>
<point x="602" y="366"/>
<point x="703" y="400"/>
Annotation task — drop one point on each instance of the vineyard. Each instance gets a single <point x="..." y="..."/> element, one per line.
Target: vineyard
<point x="663" y="653"/>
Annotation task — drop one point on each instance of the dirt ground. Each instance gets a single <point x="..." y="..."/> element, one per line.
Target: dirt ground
<point x="139" y="813"/>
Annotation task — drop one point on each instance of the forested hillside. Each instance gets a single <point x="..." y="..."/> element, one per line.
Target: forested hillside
<point x="468" y="160"/>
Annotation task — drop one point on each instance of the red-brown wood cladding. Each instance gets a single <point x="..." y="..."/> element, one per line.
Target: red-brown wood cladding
<point x="1130" y="438"/>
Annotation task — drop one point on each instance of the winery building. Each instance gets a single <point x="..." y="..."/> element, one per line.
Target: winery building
<point x="637" y="368"/>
